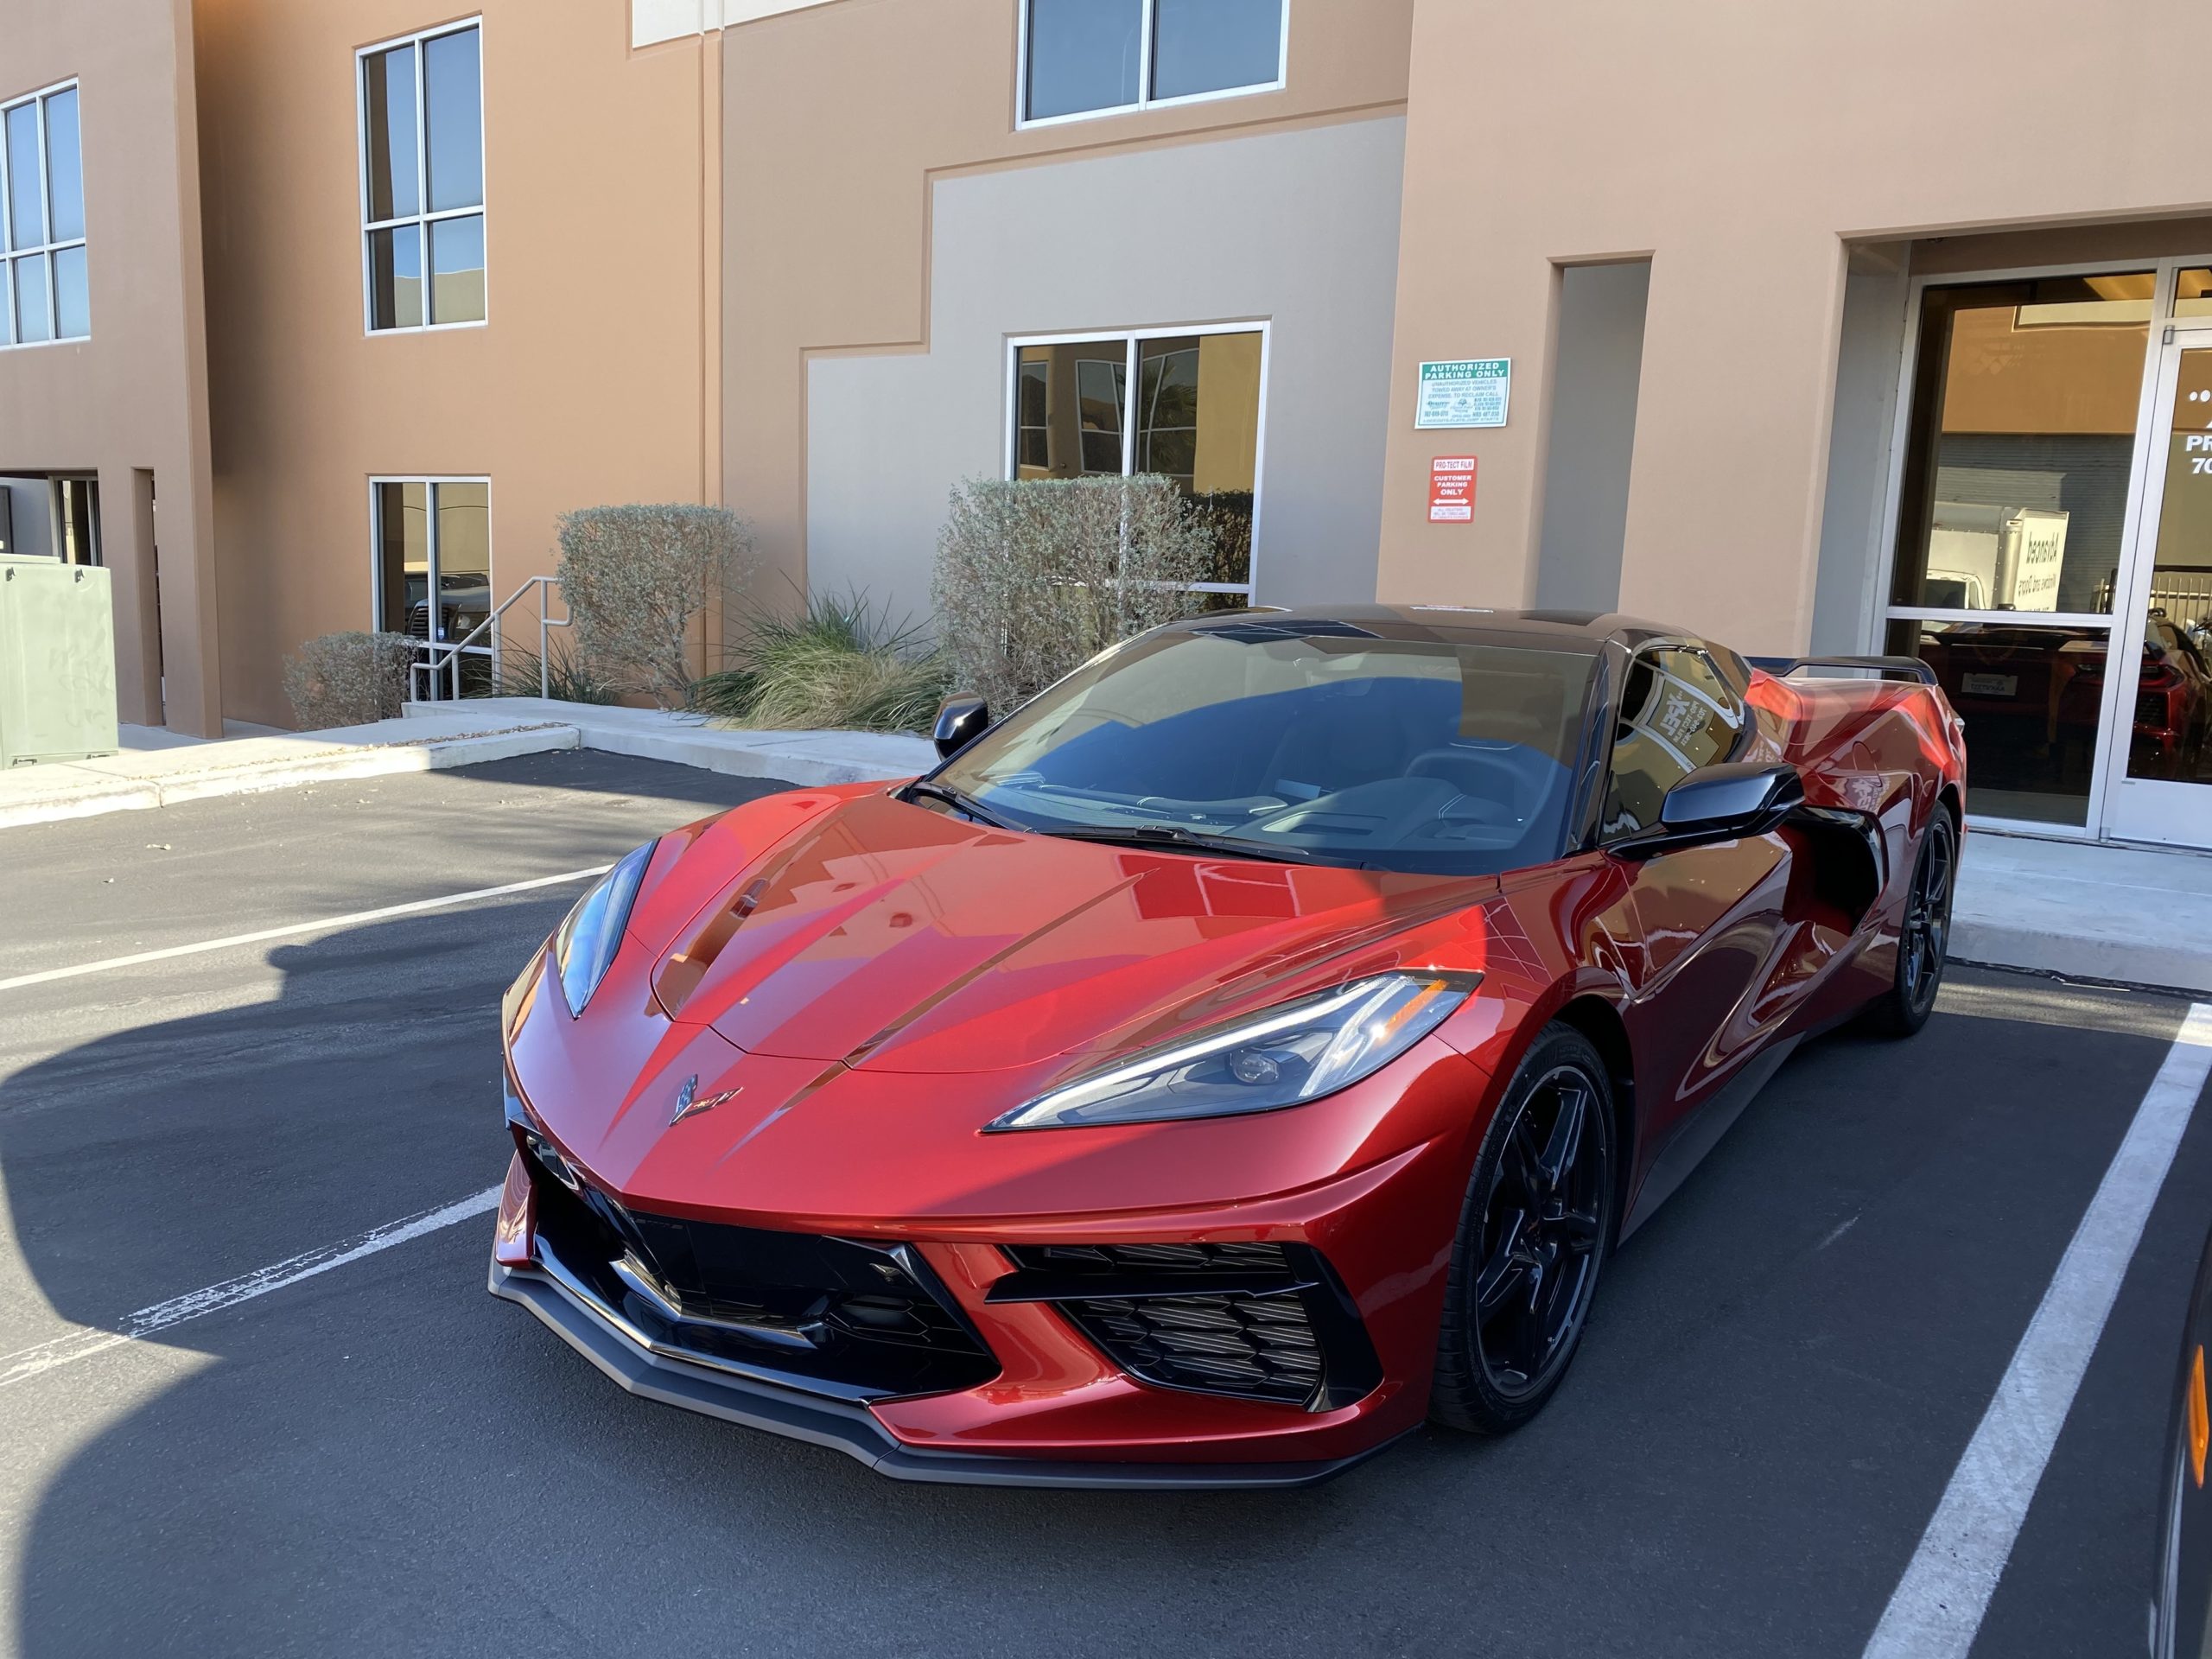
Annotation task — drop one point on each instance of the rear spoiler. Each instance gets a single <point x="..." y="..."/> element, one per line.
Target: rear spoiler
<point x="1783" y="667"/>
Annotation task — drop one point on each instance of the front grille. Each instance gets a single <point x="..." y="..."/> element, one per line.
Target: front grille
<point x="1259" y="1321"/>
<point x="856" y="1321"/>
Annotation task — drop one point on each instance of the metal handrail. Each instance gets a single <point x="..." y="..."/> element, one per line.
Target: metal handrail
<point x="436" y="664"/>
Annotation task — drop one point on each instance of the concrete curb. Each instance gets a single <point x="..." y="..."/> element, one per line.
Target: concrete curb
<point x="83" y="788"/>
<point x="791" y="763"/>
<point x="2080" y="957"/>
<point x="433" y="736"/>
<point x="807" y="760"/>
<point x="79" y="796"/>
<point x="2123" y="915"/>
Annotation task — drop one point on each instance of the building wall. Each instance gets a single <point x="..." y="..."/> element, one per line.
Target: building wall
<point x="829" y="248"/>
<point x="130" y="402"/>
<point x="1870" y="355"/>
<point x="1076" y="246"/>
<point x="769" y="250"/>
<point x="1743" y="147"/>
<point x="591" y="382"/>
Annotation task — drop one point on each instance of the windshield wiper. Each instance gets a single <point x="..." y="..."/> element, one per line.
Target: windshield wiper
<point x="1175" y="835"/>
<point x="966" y="804"/>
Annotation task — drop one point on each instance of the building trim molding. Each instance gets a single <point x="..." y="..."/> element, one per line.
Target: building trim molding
<point x="653" y="22"/>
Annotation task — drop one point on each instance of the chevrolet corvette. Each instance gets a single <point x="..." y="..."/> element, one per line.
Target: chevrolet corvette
<point x="1248" y="1050"/>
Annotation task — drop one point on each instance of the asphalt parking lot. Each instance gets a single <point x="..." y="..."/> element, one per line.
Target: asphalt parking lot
<point x="1783" y="1370"/>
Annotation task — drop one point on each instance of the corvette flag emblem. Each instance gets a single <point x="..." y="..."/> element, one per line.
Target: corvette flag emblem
<point x="690" y="1103"/>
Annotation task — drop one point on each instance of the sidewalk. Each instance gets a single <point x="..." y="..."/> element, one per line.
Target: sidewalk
<point x="158" y="769"/>
<point x="802" y="758"/>
<point x="2136" y="916"/>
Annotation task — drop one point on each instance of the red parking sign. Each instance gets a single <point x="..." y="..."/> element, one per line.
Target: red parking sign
<point x="1450" y="489"/>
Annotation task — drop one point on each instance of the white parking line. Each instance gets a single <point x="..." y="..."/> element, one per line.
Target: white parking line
<point x="325" y="924"/>
<point x="1938" y="1606"/>
<point x="26" y="1363"/>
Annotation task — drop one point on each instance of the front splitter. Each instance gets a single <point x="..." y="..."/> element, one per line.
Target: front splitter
<point x="853" y="1429"/>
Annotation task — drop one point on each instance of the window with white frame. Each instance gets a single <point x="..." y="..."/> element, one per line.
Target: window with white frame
<point x="1184" y="405"/>
<point x="431" y="541"/>
<point x="1099" y="57"/>
<point x="44" y="292"/>
<point x="421" y="103"/>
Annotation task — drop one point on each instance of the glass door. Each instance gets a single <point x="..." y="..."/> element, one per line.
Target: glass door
<point x="434" y="579"/>
<point x="2011" y="523"/>
<point x="2162" y="696"/>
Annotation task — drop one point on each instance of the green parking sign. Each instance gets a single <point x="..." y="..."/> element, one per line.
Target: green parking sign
<point x="1470" y="391"/>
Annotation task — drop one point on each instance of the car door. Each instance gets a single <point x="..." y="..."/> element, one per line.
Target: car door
<point x="1706" y="919"/>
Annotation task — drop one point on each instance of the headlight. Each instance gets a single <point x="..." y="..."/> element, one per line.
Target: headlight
<point x="511" y="1005"/>
<point x="1284" y="1056"/>
<point x="584" y="948"/>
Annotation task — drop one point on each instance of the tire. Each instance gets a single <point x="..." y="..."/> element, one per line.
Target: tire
<point x="2165" y="1614"/>
<point x="1535" y="1230"/>
<point x="1904" y="1008"/>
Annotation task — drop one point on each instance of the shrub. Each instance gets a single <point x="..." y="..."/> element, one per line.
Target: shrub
<point x="568" y="674"/>
<point x="348" y="679"/>
<point x="840" y="665"/>
<point x="1034" y="576"/>
<point x="634" y="578"/>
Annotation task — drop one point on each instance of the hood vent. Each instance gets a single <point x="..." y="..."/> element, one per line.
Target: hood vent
<point x="680" y="975"/>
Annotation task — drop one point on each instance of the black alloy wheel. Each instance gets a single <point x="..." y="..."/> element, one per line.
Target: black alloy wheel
<point x="1535" y="1232"/>
<point x="1924" y="937"/>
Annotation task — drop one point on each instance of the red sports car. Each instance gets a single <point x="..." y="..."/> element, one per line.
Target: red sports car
<point x="1249" y="1049"/>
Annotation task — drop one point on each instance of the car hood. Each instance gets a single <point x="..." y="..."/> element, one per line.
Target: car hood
<point x="888" y="937"/>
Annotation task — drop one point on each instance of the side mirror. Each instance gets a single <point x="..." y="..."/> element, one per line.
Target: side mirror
<point x="961" y="719"/>
<point x="1718" y="803"/>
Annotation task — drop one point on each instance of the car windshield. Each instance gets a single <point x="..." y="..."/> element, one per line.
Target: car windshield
<point x="1310" y="742"/>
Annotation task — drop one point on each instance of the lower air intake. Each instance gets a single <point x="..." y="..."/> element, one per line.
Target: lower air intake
<point x="1261" y="1346"/>
<point x="1258" y="1321"/>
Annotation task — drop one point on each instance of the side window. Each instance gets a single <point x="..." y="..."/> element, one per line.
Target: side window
<point x="1098" y="57"/>
<point x="1676" y="715"/>
<point x="423" y="178"/>
<point x="1184" y="407"/>
<point x="44" y="294"/>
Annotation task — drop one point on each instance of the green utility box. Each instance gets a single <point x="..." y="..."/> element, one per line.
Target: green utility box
<point x="57" y="662"/>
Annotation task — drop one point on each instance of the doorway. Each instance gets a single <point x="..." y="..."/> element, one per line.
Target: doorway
<point x="432" y="539"/>
<point x="2050" y="559"/>
<point x="2012" y="522"/>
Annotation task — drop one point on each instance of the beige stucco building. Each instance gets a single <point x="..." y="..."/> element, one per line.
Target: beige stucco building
<point x="1809" y="340"/>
